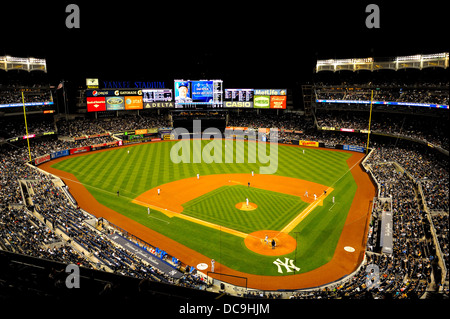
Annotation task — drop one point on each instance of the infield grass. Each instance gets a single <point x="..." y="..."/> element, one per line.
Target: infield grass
<point x="148" y="165"/>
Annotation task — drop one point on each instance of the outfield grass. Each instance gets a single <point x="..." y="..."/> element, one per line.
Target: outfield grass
<point x="148" y="165"/>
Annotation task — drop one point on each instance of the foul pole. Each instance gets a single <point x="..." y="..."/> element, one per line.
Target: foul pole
<point x="370" y="121"/>
<point x="26" y="126"/>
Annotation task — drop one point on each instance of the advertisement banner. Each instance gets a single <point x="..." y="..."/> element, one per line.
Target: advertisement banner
<point x="96" y="104"/>
<point x="261" y="101"/>
<point x="270" y="91"/>
<point x="239" y="98"/>
<point x="159" y="105"/>
<point x="79" y="150"/>
<point x="308" y="143"/>
<point x="246" y="104"/>
<point x="133" y="102"/>
<point x="59" y="154"/>
<point x="278" y="102"/>
<point x="386" y="238"/>
<point x="142" y="131"/>
<point x="115" y="103"/>
<point x="353" y="148"/>
<point x="42" y="159"/>
<point x="97" y="93"/>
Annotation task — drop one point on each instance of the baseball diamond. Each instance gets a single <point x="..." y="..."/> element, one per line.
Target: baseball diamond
<point x="204" y="217"/>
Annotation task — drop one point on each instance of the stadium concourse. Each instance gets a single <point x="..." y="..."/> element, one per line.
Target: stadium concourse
<point x="43" y="229"/>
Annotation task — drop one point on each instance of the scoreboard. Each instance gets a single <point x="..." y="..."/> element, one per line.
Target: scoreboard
<point x="187" y="94"/>
<point x="157" y="98"/>
<point x="239" y="98"/>
<point x="157" y="95"/>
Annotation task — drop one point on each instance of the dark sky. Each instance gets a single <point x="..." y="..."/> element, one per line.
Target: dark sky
<point x="247" y="44"/>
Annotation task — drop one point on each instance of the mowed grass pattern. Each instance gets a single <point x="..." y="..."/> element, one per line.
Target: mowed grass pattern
<point x="274" y="210"/>
<point x="149" y="165"/>
<point x="134" y="170"/>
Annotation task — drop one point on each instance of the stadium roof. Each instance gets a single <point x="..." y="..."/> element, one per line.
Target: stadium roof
<point x="417" y="61"/>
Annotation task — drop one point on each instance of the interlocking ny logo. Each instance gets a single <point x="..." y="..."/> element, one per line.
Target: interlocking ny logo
<point x="288" y="264"/>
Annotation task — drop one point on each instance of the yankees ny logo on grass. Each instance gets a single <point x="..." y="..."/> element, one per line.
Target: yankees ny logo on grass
<point x="288" y="264"/>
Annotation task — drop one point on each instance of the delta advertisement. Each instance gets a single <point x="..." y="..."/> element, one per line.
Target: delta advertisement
<point x="157" y="98"/>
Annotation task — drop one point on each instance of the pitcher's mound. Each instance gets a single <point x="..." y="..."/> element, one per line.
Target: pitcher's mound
<point x="244" y="206"/>
<point x="257" y="242"/>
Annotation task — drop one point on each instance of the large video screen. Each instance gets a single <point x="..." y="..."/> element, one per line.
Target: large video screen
<point x="202" y="93"/>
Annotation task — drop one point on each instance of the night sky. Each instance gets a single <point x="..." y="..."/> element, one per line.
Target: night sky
<point x="247" y="44"/>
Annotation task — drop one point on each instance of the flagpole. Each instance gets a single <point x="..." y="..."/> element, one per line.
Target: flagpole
<point x="64" y="96"/>
<point x="26" y="126"/>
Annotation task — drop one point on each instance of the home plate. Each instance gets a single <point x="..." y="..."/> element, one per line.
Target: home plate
<point x="202" y="266"/>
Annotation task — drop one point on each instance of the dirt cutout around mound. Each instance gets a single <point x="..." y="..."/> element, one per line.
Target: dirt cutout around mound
<point x="243" y="206"/>
<point x="261" y="242"/>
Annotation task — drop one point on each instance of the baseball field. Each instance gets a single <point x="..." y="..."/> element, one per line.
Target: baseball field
<point x="303" y="226"/>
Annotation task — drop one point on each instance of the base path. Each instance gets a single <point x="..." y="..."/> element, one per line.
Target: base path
<point x="174" y="194"/>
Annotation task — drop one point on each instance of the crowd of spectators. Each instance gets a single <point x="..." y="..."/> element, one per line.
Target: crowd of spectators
<point x="285" y="121"/>
<point x="83" y="127"/>
<point x="15" y="127"/>
<point x="424" y="86"/>
<point x="26" y="234"/>
<point x="440" y="222"/>
<point x="14" y="96"/>
<point x="423" y="95"/>
<point x="428" y="129"/>
<point x="405" y="273"/>
<point x="23" y="233"/>
<point x="425" y="166"/>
